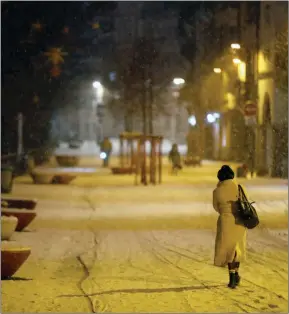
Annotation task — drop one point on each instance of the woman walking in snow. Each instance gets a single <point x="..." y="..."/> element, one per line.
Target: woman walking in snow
<point x="175" y="159"/>
<point x="230" y="245"/>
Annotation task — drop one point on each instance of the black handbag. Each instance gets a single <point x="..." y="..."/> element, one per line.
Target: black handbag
<point x="247" y="212"/>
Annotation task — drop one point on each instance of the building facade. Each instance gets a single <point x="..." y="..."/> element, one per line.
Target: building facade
<point x="262" y="146"/>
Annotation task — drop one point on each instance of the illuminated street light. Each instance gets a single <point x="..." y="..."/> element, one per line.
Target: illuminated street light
<point x="96" y="84"/>
<point x="235" y="46"/>
<point x="192" y="120"/>
<point x="211" y="118"/>
<point x="178" y="81"/>
<point x="99" y="91"/>
<point x="217" y="70"/>
<point x="102" y="155"/>
<point x="237" y="61"/>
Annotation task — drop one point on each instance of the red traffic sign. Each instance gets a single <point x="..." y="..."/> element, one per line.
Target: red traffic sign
<point x="250" y="109"/>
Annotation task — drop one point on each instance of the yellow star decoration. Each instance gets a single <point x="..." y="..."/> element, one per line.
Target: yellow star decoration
<point x="37" y="26"/>
<point x="55" y="55"/>
<point x="95" y="25"/>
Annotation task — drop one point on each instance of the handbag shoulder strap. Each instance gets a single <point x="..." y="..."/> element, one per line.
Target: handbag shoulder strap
<point x="241" y="192"/>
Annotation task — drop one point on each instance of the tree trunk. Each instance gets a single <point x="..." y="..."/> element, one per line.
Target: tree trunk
<point x="144" y="118"/>
<point x="150" y="108"/>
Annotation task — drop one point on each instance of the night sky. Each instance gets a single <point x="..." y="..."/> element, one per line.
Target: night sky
<point x="25" y="70"/>
<point x="20" y="41"/>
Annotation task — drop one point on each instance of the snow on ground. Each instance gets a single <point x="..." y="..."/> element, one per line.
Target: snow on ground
<point x="101" y="244"/>
<point x="143" y="271"/>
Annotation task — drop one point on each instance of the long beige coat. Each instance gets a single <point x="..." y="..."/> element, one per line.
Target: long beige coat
<point x="231" y="234"/>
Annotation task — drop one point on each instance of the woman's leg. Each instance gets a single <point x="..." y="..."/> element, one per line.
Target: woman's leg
<point x="236" y="266"/>
<point x="238" y="278"/>
<point x="233" y="267"/>
<point x="232" y="277"/>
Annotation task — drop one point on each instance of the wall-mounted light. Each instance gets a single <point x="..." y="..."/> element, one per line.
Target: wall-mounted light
<point x="217" y="70"/>
<point x="178" y="81"/>
<point x="235" y="46"/>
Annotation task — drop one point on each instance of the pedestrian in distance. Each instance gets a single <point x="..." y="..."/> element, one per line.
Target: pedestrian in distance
<point x="175" y="159"/>
<point x="106" y="148"/>
<point x="230" y="243"/>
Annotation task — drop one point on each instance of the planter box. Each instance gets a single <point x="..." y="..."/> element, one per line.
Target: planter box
<point x="19" y="203"/>
<point x="119" y="170"/>
<point x="24" y="216"/>
<point x="67" y="161"/>
<point x="12" y="259"/>
<point x="63" y="179"/>
<point x="41" y="178"/>
<point x="6" y="179"/>
<point x="8" y="226"/>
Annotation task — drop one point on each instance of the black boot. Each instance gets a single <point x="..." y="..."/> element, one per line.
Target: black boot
<point x="238" y="278"/>
<point x="232" y="283"/>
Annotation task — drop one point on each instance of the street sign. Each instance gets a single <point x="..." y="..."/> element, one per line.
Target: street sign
<point x="250" y="109"/>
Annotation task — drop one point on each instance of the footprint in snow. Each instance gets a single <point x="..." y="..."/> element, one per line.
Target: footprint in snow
<point x="273" y="306"/>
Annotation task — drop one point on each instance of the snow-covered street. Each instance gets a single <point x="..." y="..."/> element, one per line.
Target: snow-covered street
<point x="101" y="244"/>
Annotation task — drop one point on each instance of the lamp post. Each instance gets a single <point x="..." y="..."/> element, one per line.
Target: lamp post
<point x="177" y="83"/>
<point x="96" y="108"/>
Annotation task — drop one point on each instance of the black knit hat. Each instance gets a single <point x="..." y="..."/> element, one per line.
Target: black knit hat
<point x="225" y="173"/>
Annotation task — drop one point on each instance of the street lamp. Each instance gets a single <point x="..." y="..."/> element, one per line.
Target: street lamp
<point x="217" y="70"/>
<point x="211" y="118"/>
<point x="192" y="120"/>
<point x="96" y="84"/>
<point x="235" y="46"/>
<point x="178" y="81"/>
<point x="98" y="105"/>
<point x="99" y="91"/>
